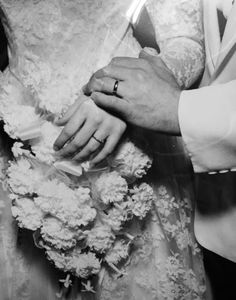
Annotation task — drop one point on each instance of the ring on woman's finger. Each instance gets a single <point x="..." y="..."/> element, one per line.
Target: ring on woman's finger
<point x="98" y="140"/>
<point x="115" y="88"/>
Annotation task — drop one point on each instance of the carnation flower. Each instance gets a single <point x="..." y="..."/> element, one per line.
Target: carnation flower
<point x="100" y="238"/>
<point x="82" y="264"/>
<point x="86" y="265"/>
<point x="130" y="161"/>
<point x="68" y="205"/>
<point x="142" y="197"/>
<point x="55" y="233"/>
<point x="83" y="195"/>
<point x="43" y="146"/>
<point x="59" y="207"/>
<point x="111" y="187"/>
<point x="119" y="251"/>
<point x="18" y="117"/>
<point x="23" y="177"/>
<point x="27" y="214"/>
<point x="115" y="217"/>
<point x="55" y="191"/>
<point x="60" y="259"/>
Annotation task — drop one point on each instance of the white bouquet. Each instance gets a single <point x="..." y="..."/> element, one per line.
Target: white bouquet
<point x="80" y="216"/>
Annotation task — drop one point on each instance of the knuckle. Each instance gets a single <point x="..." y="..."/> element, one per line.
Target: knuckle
<point x="141" y="75"/>
<point x="66" y="134"/>
<point x="119" y="127"/>
<point x="106" y="70"/>
<point x="108" y="123"/>
<point x="99" y="83"/>
<point x="97" y="120"/>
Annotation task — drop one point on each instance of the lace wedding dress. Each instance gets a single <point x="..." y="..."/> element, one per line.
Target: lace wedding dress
<point x="54" y="47"/>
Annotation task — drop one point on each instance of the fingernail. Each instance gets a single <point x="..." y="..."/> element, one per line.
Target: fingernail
<point x="150" y="51"/>
<point x="93" y="96"/>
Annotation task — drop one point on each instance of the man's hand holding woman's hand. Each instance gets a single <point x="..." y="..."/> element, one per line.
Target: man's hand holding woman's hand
<point x="147" y="94"/>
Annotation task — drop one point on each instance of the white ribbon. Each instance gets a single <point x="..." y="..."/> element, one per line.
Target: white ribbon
<point x="31" y="131"/>
<point x="69" y="166"/>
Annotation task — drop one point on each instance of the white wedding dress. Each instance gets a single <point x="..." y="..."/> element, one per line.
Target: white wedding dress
<point x="54" y="47"/>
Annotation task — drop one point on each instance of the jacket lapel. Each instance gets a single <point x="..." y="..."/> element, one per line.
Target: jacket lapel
<point x="212" y="34"/>
<point x="228" y="41"/>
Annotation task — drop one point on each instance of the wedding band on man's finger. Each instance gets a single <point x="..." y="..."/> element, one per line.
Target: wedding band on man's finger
<point x="115" y="88"/>
<point x="106" y="85"/>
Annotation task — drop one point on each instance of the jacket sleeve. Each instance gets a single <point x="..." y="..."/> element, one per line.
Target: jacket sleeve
<point x="207" y="118"/>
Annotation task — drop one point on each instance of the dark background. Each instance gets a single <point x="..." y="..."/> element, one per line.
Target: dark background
<point x="3" y="49"/>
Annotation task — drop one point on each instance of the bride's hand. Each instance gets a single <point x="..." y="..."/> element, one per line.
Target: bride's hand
<point x="89" y="131"/>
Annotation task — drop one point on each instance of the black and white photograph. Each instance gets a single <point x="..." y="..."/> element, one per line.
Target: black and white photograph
<point x="117" y="150"/>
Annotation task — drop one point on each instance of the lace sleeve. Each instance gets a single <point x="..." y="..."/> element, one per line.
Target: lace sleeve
<point x="179" y="34"/>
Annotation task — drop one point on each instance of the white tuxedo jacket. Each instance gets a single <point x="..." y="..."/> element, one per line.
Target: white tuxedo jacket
<point x="207" y="119"/>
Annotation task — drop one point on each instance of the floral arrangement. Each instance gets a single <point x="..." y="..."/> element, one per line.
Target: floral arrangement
<point x="82" y="217"/>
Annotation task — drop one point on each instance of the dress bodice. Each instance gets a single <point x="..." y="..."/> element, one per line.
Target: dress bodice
<point x="50" y="42"/>
<point x="179" y="35"/>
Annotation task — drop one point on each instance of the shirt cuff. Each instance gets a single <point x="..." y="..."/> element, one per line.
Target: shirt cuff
<point x="207" y="120"/>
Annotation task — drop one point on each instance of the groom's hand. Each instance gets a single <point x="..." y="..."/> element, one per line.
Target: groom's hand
<point x="147" y="93"/>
